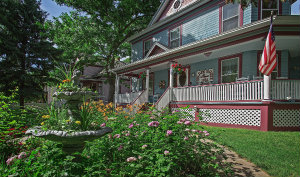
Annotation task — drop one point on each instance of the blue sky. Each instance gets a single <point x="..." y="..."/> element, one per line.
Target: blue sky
<point x="55" y="10"/>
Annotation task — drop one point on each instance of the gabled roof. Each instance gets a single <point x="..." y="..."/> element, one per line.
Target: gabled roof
<point x="165" y="9"/>
<point x="155" y="24"/>
<point x="155" y="49"/>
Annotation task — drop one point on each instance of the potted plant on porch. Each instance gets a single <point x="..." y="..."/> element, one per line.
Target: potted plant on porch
<point x="74" y="122"/>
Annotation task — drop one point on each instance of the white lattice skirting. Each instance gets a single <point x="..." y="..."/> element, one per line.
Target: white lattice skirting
<point x="286" y="118"/>
<point x="190" y="113"/>
<point x="249" y="117"/>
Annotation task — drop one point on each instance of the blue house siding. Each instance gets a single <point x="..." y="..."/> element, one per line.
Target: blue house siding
<point x="159" y="76"/>
<point x="284" y="63"/>
<point x="203" y="65"/>
<point x="247" y="15"/>
<point x="137" y="51"/>
<point x="201" y="26"/>
<point x="249" y="64"/>
<point x="254" y="14"/>
<point x="161" y="37"/>
<point x="286" y="8"/>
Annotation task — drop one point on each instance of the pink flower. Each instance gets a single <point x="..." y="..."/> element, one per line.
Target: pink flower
<point x="206" y="134"/>
<point x="117" y="136"/>
<point x="120" y="148"/>
<point x="179" y="122"/>
<point x="10" y="160"/>
<point x="153" y="124"/>
<point x="199" y="131"/>
<point x="186" y="138"/>
<point x="130" y="126"/>
<point x="187" y="130"/>
<point x="144" y="146"/>
<point x="166" y="152"/>
<point x="140" y="157"/>
<point x="194" y="131"/>
<point x="131" y="159"/>
<point x="103" y="125"/>
<point x="127" y="134"/>
<point x="22" y="155"/>
<point x="187" y="122"/>
<point x="205" y="131"/>
<point x="169" y="132"/>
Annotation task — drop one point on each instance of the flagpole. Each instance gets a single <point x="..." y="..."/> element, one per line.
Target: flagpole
<point x="267" y="79"/>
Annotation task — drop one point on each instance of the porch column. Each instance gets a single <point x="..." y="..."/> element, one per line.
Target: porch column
<point x="116" y="89"/>
<point x="171" y="81"/>
<point x="267" y="82"/>
<point x="147" y="85"/>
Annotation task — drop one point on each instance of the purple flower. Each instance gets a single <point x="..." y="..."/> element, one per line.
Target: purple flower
<point x="22" y="155"/>
<point x="120" y="148"/>
<point x="103" y="125"/>
<point x="179" y="122"/>
<point x="187" y="122"/>
<point x="127" y="134"/>
<point x="117" y="136"/>
<point x="186" y="138"/>
<point x="131" y="159"/>
<point x="166" y="152"/>
<point x="169" y="132"/>
<point x="205" y="131"/>
<point x="144" y="146"/>
<point x="153" y="124"/>
<point x="130" y="126"/>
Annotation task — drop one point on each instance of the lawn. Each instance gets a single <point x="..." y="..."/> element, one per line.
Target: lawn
<point x="277" y="153"/>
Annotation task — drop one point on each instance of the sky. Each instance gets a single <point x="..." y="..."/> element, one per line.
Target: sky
<point x="55" y="10"/>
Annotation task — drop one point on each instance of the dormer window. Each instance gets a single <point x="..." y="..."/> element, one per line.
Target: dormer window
<point x="147" y="46"/>
<point x="230" y="16"/>
<point x="175" y="37"/>
<point x="267" y="7"/>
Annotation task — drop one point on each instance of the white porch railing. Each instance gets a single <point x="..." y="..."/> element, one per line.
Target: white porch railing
<point x="246" y="90"/>
<point x="142" y="98"/>
<point x="164" y="100"/>
<point x="128" y="97"/>
<point x="281" y="89"/>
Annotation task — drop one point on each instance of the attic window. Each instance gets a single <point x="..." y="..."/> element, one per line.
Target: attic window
<point x="267" y="7"/>
<point x="177" y="4"/>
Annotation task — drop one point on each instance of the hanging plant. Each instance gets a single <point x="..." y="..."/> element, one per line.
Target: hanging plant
<point x="162" y="84"/>
<point x="142" y="75"/>
<point x="177" y="68"/>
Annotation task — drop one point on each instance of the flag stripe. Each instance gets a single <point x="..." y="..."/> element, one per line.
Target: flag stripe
<point x="268" y="59"/>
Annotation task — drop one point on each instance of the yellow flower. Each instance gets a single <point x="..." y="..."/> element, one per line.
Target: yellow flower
<point x="67" y="80"/>
<point x="46" y="116"/>
<point x="43" y="123"/>
<point x="59" y="86"/>
<point x="103" y="114"/>
<point x="68" y="121"/>
<point x="77" y="122"/>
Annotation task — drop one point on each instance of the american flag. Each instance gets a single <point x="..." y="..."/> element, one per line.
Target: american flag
<point x="268" y="59"/>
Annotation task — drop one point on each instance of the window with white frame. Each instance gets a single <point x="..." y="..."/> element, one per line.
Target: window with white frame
<point x="274" y="73"/>
<point x="229" y="70"/>
<point x="230" y="16"/>
<point x="267" y="7"/>
<point x="147" y="46"/>
<point x="175" y="37"/>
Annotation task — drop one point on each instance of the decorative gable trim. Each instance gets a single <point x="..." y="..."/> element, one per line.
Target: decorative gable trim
<point x="155" y="45"/>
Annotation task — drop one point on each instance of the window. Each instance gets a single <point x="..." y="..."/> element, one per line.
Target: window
<point x="230" y="16"/>
<point x="147" y="46"/>
<point x="267" y="7"/>
<point x="175" y="37"/>
<point x="229" y="70"/>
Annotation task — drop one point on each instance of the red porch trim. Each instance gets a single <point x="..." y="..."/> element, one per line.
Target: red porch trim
<point x="241" y="16"/>
<point x="220" y="19"/>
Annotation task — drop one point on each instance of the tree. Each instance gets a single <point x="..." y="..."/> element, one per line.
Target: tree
<point x="26" y="54"/>
<point x="114" y="22"/>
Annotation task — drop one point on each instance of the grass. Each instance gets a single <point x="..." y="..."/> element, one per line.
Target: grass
<point x="277" y="153"/>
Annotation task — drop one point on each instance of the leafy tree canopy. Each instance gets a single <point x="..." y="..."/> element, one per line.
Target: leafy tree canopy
<point x="26" y="54"/>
